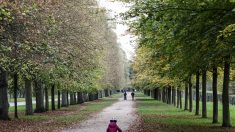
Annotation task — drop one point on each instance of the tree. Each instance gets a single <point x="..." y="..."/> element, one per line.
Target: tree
<point x="177" y="39"/>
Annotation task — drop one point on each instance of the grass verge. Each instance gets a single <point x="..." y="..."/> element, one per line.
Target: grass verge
<point x="57" y="120"/>
<point x="157" y="116"/>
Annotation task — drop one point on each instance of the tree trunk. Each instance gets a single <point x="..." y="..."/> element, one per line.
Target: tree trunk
<point x="186" y="97"/>
<point x="64" y="98"/>
<point x="204" y="111"/>
<point x="163" y="95"/>
<point x="28" y="97"/>
<point x="85" y="97"/>
<point x="100" y="94"/>
<point x="178" y="98"/>
<point x="197" y="92"/>
<point x="149" y="92"/>
<point x="47" y="99"/>
<point x="4" y="105"/>
<point x="159" y="94"/>
<point x="111" y="92"/>
<point x="53" y="97"/>
<point x="75" y="98"/>
<point x="106" y="92"/>
<point x="173" y="96"/>
<point x="58" y="105"/>
<point x="80" y="98"/>
<point x="39" y="97"/>
<point x="15" y="93"/>
<point x="71" y="98"/>
<point x="90" y="96"/>
<point x="67" y="98"/>
<point x="225" y="94"/>
<point x="190" y="95"/>
<point x="97" y="96"/>
<point x="166" y="95"/>
<point x="181" y="106"/>
<point x="169" y="95"/>
<point x="215" y="96"/>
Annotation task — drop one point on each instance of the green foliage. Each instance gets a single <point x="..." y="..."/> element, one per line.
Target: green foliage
<point x="178" y="38"/>
<point x="59" y="42"/>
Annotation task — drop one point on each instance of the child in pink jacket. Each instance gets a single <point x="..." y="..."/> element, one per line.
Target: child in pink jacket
<point x="113" y="127"/>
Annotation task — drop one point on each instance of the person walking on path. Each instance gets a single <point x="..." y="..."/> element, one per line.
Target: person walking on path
<point x="132" y="95"/>
<point x="113" y="127"/>
<point x="125" y="95"/>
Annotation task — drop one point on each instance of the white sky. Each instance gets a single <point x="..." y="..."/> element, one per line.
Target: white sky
<point x="124" y="38"/>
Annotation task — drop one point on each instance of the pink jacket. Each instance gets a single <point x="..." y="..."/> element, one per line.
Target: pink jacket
<point x="113" y="127"/>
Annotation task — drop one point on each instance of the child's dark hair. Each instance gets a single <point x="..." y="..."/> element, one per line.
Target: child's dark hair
<point x="113" y="120"/>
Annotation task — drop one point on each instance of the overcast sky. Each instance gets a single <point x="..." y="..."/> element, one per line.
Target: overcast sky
<point x="124" y="38"/>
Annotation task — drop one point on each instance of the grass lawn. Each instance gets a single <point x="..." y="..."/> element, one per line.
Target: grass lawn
<point x="157" y="116"/>
<point x="18" y="99"/>
<point x="56" y="120"/>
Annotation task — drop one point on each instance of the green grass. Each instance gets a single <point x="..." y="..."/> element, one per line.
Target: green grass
<point x="91" y="107"/>
<point x="18" y="99"/>
<point x="66" y="117"/>
<point x="88" y="108"/>
<point x="35" y="118"/>
<point x="19" y="108"/>
<point x="23" y="99"/>
<point x="157" y="115"/>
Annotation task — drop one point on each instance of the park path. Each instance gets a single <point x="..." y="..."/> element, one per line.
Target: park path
<point x="123" y="110"/>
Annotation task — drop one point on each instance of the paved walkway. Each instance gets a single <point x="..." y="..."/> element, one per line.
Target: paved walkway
<point x="123" y="111"/>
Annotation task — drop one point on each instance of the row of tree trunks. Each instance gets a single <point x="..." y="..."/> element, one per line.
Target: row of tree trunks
<point x="93" y="96"/>
<point x="20" y="94"/>
<point x="40" y="92"/>
<point x="168" y="95"/>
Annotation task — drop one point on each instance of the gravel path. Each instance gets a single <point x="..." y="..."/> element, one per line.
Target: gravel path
<point x="123" y="110"/>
